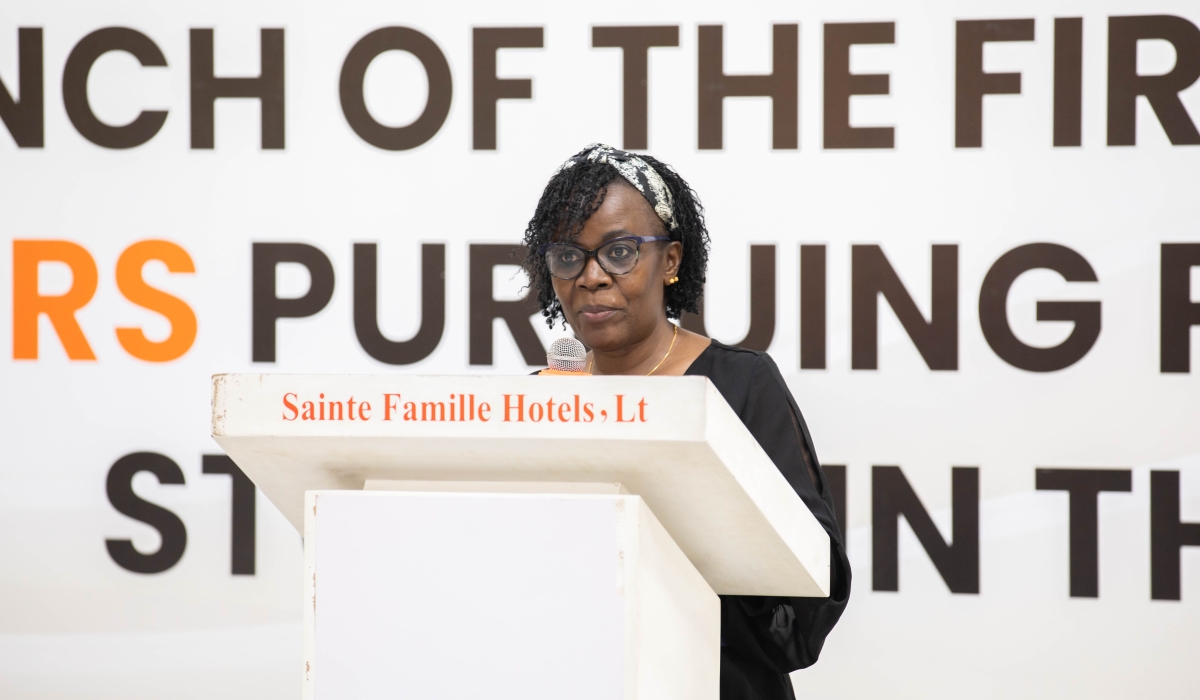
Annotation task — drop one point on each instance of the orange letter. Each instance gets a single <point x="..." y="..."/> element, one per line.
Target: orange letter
<point x="519" y="408"/>
<point x="290" y="406"/>
<point x="135" y="289"/>
<point x="28" y="304"/>
<point x="621" y="410"/>
<point x="388" y="407"/>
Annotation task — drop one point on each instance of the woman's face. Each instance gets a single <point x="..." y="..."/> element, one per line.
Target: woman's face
<point x="610" y="312"/>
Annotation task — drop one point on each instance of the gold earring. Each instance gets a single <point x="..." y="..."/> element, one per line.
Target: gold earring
<point x="672" y="281"/>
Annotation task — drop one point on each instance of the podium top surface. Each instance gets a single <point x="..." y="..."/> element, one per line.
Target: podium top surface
<point x="674" y="441"/>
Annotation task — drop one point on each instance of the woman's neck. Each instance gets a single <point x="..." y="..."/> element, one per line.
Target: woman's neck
<point x="638" y="357"/>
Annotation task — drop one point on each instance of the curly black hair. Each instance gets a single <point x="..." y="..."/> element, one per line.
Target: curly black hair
<point x="570" y="199"/>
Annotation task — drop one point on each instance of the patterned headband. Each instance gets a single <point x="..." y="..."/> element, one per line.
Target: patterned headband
<point x="635" y="171"/>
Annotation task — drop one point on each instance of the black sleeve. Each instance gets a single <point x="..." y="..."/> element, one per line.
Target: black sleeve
<point x="787" y="633"/>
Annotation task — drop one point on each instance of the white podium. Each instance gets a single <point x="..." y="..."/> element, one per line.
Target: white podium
<point x="518" y="537"/>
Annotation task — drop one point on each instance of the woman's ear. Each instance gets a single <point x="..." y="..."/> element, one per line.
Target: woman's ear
<point x="674" y="258"/>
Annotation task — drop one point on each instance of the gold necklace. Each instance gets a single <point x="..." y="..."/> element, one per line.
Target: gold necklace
<point x="670" y="347"/>
<point x="674" y="335"/>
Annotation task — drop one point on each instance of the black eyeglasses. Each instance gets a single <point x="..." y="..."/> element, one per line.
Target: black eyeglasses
<point x="616" y="257"/>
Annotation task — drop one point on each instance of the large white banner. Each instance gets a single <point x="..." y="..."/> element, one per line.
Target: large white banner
<point x="966" y="232"/>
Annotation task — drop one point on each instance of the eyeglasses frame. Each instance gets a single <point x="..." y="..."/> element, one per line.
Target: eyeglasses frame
<point x="594" y="253"/>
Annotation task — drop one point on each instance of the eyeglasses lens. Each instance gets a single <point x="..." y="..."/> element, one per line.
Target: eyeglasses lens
<point x="565" y="261"/>
<point x="616" y="257"/>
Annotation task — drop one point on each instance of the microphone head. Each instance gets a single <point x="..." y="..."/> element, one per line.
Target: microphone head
<point x="567" y="355"/>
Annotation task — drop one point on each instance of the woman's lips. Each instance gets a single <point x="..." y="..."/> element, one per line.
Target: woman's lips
<point x="596" y="313"/>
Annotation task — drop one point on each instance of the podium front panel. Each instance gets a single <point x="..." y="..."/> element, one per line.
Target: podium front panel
<point x="502" y="596"/>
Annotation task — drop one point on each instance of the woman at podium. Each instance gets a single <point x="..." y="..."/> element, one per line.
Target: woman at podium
<point x="618" y="248"/>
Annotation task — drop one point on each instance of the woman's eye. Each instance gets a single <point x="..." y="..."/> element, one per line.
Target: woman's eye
<point x="620" y="251"/>
<point x="567" y="257"/>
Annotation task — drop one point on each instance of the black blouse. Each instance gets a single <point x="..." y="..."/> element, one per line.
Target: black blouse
<point x="765" y="638"/>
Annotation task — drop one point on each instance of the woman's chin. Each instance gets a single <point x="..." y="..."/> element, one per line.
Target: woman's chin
<point x="604" y="339"/>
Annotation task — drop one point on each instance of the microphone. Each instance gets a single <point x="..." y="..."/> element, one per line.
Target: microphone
<point x="566" y="356"/>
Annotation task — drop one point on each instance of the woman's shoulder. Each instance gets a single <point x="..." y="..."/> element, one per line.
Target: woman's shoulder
<point x="728" y="358"/>
<point x="735" y="371"/>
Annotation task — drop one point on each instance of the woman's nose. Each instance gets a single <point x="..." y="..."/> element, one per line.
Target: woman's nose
<point x="593" y="276"/>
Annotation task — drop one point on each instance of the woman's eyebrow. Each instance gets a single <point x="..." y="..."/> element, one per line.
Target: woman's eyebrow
<point x="619" y="233"/>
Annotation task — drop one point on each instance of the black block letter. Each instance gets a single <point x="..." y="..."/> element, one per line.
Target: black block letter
<point x="762" y="302"/>
<point x="433" y="306"/>
<point x="267" y="88"/>
<point x="840" y="84"/>
<point x="487" y="88"/>
<point x="993" y="308"/>
<point x="635" y="43"/>
<point x="1084" y="487"/>
<point x="484" y="307"/>
<point x="957" y="561"/>
<point x="75" y="81"/>
<point x="25" y="117"/>
<point x="1167" y="535"/>
<point x="266" y="307"/>
<point x="242" y="515"/>
<point x="812" y="307"/>
<point x="169" y="526"/>
<point x="354" y="104"/>
<point x="971" y="83"/>
<point x="1161" y="91"/>
<point x="782" y="85"/>
<point x="871" y="275"/>
<point x="1068" y="80"/>
<point x="1177" y="312"/>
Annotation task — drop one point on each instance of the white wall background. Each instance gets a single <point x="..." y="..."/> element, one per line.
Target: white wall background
<point x="73" y="624"/>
